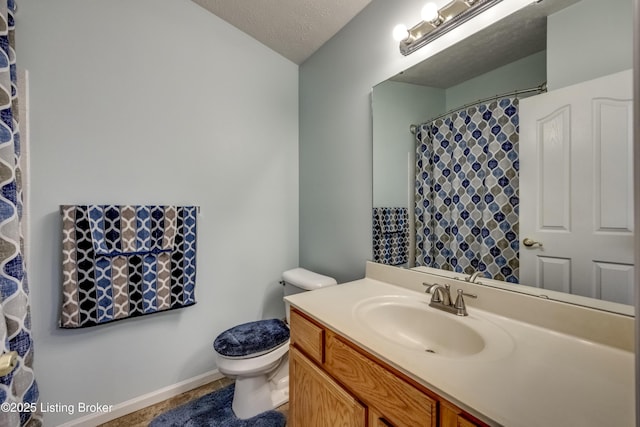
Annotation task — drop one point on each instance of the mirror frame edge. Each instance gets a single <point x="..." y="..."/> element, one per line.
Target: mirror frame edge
<point x="636" y="155"/>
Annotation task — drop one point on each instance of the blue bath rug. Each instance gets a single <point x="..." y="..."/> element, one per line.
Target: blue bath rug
<point x="214" y="410"/>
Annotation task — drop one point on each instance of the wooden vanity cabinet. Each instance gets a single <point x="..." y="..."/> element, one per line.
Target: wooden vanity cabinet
<point x="319" y="401"/>
<point x="334" y="383"/>
<point x="452" y="416"/>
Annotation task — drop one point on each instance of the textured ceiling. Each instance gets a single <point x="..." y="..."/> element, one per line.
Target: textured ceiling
<point x="293" y="28"/>
<point x="514" y="37"/>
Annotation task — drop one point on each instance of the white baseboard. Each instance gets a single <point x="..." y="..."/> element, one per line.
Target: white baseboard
<point x="145" y="400"/>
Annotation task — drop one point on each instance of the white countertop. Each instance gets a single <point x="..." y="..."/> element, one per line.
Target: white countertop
<point x="545" y="378"/>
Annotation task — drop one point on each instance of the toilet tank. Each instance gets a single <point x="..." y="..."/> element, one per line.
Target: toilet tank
<point x="300" y="280"/>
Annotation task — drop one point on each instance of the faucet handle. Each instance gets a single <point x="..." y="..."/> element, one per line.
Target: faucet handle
<point x="461" y="308"/>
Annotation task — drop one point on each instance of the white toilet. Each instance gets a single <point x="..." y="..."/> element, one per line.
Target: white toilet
<point x="256" y="353"/>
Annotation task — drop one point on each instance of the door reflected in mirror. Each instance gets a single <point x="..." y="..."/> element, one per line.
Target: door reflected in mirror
<point x="478" y="178"/>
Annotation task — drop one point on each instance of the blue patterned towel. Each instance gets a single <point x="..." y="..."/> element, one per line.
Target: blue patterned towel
<point x="390" y="235"/>
<point x="126" y="261"/>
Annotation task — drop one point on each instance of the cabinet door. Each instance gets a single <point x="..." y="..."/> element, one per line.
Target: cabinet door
<point x="377" y="420"/>
<point x="465" y="423"/>
<point x="451" y="416"/>
<point x="401" y="404"/>
<point x="318" y="401"/>
<point x="307" y="336"/>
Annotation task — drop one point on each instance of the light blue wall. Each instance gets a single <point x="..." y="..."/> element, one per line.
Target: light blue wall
<point x="156" y="101"/>
<point x="527" y="72"/>
<point x="335" y="140"/>
<point x="395" y="106"/>
<point x="590" y="39"/>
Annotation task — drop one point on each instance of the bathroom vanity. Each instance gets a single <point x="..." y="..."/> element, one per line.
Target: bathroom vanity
<point x="373" y="353"/>
<point x="335" y="382"/>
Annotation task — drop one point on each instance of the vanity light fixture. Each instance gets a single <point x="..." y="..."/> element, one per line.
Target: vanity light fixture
<point x="436" y="22"/>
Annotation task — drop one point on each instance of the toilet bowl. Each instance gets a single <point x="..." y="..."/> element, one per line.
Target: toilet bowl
<point x="255" y="354"/>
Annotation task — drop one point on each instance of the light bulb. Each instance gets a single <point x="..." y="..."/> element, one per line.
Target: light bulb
<point x="430" y="12"/>
<point x="400" y="33"/>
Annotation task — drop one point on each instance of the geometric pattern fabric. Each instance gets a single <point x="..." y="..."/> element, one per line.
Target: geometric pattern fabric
<point x="18" y="389"/>
<point x="467" y="191"/>
<point x="126" y="261"/>
<point x="390" y="235"/>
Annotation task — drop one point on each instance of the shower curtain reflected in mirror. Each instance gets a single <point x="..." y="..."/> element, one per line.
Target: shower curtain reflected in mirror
<point x="467" y="191"/>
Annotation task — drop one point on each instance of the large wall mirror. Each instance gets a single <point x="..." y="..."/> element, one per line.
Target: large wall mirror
<point x="525" y="130"/>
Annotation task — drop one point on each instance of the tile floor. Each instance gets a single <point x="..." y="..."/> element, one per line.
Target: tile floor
<point x="143" y="417"/>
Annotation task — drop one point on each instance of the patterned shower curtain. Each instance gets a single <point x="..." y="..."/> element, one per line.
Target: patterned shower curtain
<point x="18" y="389"/>
<point x="467" y="191"/>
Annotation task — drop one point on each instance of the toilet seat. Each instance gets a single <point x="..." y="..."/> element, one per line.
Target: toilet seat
<point x="251" y="339"/>
<point x="249" y="365"/>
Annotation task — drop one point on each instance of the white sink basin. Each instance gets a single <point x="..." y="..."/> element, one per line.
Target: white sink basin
<point x="412" y="324"/>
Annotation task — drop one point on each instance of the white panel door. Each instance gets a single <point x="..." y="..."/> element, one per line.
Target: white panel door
<point x="576" y="189"/>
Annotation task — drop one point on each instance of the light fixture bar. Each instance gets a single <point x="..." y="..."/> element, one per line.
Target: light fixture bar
<point x="453" y="14"/>
<point x="454" y="9"/>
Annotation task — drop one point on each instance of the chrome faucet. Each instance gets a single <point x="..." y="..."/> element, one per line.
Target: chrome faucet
<point x="472" y="277"/>
<point x="441" y="294"/>
<point x="441" y="299"/>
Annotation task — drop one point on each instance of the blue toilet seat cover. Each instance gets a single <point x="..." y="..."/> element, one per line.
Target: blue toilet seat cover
<point x="252" y="338"/>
